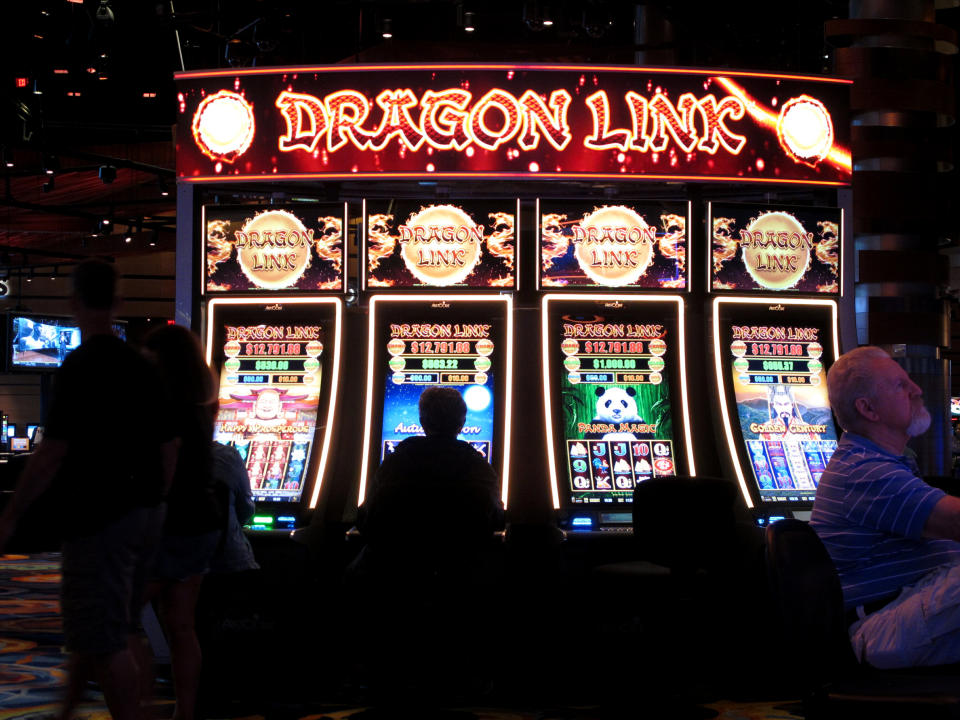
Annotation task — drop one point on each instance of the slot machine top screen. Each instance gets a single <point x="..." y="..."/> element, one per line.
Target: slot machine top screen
<point x="615" y="399"/>
<point x="777" y="364"/>
<point x="289" y="248"/>
<point x="776" y="249"/>
<point x="410" y="244"/>
<point x="631" y="244"/>
<point x="270" y="383"/>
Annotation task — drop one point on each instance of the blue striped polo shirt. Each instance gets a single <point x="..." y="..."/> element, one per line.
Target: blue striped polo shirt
<point x="870" y="511"/>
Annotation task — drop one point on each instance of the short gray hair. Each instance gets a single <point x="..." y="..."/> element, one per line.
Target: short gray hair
<point x="849" y="378"/>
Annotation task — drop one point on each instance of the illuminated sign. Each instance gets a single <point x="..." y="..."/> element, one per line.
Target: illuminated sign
<point x="502" y="120"/>
<point x="410" y="244"/>
<point x="622" y="245"/>
<point x="775" y="249"/>
<point x="296" y="247"/>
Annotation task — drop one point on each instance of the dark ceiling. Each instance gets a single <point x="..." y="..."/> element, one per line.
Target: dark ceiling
<point x="88" y="106"/>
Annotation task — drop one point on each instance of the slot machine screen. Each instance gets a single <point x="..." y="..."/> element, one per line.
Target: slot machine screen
<point x="775" y="357"/>
<point x="270" y="359"/>
<point x="454" y="343"/>
<point x="615" y="396"/>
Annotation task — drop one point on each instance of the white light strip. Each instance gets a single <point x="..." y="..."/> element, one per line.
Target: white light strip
<point x="721" y="385"/>
<point x="331" y="402"/>
<point x="377" y="300"/>
<point x="547" y="402"/>
<point x="548" y="373"/>
<point x="537" y="221"/>
<point x="361" y="246"/>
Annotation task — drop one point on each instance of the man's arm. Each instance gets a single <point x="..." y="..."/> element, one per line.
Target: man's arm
<point x="41" y="468"/>
<point x="944" y="520"/>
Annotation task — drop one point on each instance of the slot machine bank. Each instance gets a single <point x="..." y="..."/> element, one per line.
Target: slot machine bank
<point x="544" y="238"/>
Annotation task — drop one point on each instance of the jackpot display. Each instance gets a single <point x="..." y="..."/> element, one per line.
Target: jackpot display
<point x="637" y="245"/>
<point x="271" y="361"/>
<point x="451" y="342"/>
<point x="467" y="245"/>
<point x="776" y="249"/>
<point x="775" y="358"/>
<point x="615" y="395"/>
<point x="271" y="248"/>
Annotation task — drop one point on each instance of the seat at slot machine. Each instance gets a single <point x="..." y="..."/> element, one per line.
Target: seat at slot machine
<point x="806" y="591"/>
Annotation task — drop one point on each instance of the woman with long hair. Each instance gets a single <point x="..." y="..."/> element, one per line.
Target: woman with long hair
<point x="193" y="524"/>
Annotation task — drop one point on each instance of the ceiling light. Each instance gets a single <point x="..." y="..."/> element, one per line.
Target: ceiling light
<point x="468" y="22"/>
<point x="49" y="185"/>
<point x="104" y="13"/>
<point x="386" y="29"/>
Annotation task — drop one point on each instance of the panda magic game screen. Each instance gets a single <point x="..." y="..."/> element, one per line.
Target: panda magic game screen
<point x="615" y="414"/>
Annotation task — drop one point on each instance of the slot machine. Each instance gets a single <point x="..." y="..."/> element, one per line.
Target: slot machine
<point x="447" y="320"/>
<point x="615" y="396"/>
<point x="273" y="340"/>
<point x="776" y="278"/>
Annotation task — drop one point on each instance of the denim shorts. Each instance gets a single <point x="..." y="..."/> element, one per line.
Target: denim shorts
<point x="183" y="556"/>
<point x="104" y="577"/>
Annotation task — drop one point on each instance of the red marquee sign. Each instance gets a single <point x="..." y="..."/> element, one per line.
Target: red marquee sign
<point x="517" y="121"/>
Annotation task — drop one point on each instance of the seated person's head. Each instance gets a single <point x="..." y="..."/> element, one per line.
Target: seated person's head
<point x="442" y="411"/>
<point x="868" y="389"/>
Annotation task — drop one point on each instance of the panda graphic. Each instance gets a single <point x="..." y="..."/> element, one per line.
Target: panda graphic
<point x="616" y="405"/>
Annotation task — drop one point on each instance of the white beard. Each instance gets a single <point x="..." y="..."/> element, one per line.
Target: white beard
<point x="919" y="423"/>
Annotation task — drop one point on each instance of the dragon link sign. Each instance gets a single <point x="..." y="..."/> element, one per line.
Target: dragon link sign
<point x="511" y="121"/>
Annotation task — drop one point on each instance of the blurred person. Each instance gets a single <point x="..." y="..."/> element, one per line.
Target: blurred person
<point x="192" y="527"/>
<point x="105" y="393"/>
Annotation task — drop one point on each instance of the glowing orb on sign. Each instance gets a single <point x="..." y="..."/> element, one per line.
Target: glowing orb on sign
<point x="477" y="398"/>
<point x="776" y="250"/>
<point x="274" y="249"/>
<point x="223" y="126"/>
<point x="805" y="129"/>
<point x="440" y="245"/>
<point x="613" y="246"/>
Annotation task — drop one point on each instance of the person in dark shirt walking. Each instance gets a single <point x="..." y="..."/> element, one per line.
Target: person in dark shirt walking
<point x="108" y="452"/>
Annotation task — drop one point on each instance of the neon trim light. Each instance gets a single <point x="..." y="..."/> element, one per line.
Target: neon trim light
<point x="387" y="300"/>
<point x="722" y="380"/>
<point x="549" y="372"/>
<point x="334" y="372"/>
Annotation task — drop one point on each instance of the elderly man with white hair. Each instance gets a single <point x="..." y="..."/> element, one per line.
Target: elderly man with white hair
<point x="892" y="537"/>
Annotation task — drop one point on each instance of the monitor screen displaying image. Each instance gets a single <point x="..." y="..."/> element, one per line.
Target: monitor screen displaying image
<point x="41" y="343"/>
<point x="616" y="420"/>
<point x="777" y="363"/>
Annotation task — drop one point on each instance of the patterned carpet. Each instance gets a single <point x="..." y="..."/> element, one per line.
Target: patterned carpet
<point x="32" y="671"/>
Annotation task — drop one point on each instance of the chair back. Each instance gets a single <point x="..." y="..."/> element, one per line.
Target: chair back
<point x="684" y="523"/>
<point x="806" y="590"/>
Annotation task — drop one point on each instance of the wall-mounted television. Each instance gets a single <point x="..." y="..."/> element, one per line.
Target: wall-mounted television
<point x="38" y="343"/>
